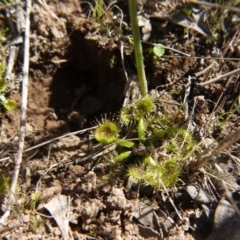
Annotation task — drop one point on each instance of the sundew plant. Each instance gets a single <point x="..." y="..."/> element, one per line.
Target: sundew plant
<point x="151" y="142"/>
<point x="156" y="145"/>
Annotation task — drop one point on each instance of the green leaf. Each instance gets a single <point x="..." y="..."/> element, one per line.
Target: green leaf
<point x="126" y="114"/>
<point x="10" y="104"/>
<point x="107" y="132"/>
<point x="144" y="106"/>
<point x="126" y="143"/>
<point x="149" y="160"/>
<point x="170" y="172"/>
<point x="187" y="11"/>
<point x="159" y="133"/>
<point x="123" y="156"/>
<point x="158" y="50"/>
<point x="141" y="129"/>
<point x="3" y="85"/>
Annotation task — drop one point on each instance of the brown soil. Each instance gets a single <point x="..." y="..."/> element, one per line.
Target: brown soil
<point x="76" y="79"/>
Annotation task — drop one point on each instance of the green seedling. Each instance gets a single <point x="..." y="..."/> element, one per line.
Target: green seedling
<point x="9" y="104"/>
<point x="158" y="50"/>
<point x="112" y="61"/>
<point x="155" y="52"/>
<point x="36" y="222"/>
<point x="105" y="21"/>
<point x="5" y="183"/>
<point x="98" y="9"/>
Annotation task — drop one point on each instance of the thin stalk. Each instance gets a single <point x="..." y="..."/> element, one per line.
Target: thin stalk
<point x="137" y="47"/>
<point x="212" y="151"/>
<point x="22" y="130"/>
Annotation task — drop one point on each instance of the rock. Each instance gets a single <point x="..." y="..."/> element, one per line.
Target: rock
<point x="148" y="232"/>
<point x="144" y="213"/>
<point x="198" y="194"/>
<point x="226" y="222"/>
<point x="87" y="184"/>
<point x="166" y="226"/>
<point x="111" y="232"/>
<point x="91" y="208"/>
<point x="116" y="199"/>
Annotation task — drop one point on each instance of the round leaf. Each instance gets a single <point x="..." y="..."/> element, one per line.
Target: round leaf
<point x="158" y="50"/>
<point x="10" y="104"/>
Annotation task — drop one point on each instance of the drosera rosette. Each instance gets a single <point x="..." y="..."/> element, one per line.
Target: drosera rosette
<point x="126" y="114"/>
<point x="108" y="132"/>
<point x="143" y="107"/>
<point x="161" y="175"/>
<point x="137" y="110"/>
<point x="157" y="124"/>
<point x="181" y="141"/>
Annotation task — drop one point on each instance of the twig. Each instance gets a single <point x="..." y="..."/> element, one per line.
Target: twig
<point x="173" y="49"/>
<point x="186" y="95"/>
<point x="4" y="159"/>
<point x="11" y="60"/>
<point x="57" y="138"/>
<point x="170" y="199"/>
<point x="8" y="229"/>
<point x="219" y="77"/>
<point x="204" y="58"/>
<point x="212" y="151"/>
<point x="18" y="158"/>
<point x="47" y="9"/>
<point x="51" y="167"/>
<point x="11" y="23"/>
<point x="230" y="43"/>
<point x="233" y="9"/>
<point x="20" y="19"/>
<point x="127" y="84"/>
<point x="214" y="63"/>
<point x="9" y="5"/>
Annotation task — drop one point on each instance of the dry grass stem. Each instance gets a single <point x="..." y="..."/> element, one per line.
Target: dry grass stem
<point x="11" y="61"/>
<point x="214" y="63"/>
<point x="18" y="158"/>
<point x="219" y="77"/>
<point x="57" y="138"/>
<point x="212" y="152"/>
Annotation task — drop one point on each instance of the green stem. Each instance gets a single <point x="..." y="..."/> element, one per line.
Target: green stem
<point x="137" y="47"/>
<point x="141" y="129"/>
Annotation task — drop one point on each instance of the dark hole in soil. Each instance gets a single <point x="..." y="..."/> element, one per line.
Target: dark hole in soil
<point x="90" y="85"/>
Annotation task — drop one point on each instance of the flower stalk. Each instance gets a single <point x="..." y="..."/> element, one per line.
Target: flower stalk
<point x="137" y="47"/>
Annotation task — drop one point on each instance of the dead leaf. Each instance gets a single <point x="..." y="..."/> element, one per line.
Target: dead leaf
<point x="59" y="208"/>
